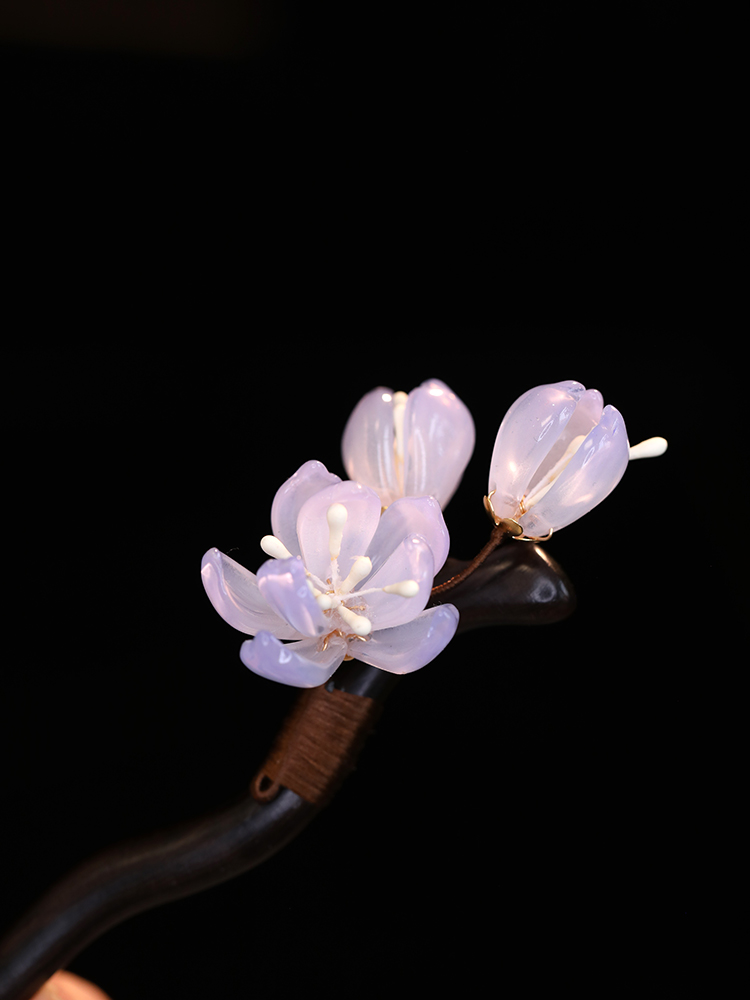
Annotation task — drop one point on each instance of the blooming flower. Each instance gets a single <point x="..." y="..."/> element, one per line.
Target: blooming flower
<point x="342" y="581"/>
<point x="414" y="444"/>
<point x="559" y="452"/>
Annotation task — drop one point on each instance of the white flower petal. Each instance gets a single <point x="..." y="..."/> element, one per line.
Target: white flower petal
<point x="412" y="560"/>
<point x="409" y="647"/>
<point x="439" y="435"/>
<point x="299" y="664"/>
<point x="592" y="474"/>
<point x="410" y="516"/>
<point x="234" y="593"/>
<point x="367" y="444"/>
<point x="527" y="433"/>
<point x="587" y="414"/>
<point x="309" y="479"/>
<point x="363" y="515"/>
<point x="283" y="583"/>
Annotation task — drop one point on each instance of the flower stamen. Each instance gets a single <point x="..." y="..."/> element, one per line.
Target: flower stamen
<point x="650" y="448"/>
<point x="404" y="588"/>
<point x="332" y="594"/>
<point x="399" y="406"/>
<point x="359" y="625"/>
<point x="336" y="516"/>
<point x="274" y="547"/>
<point x="361" y="568"/>
<point x="545" y="484"/>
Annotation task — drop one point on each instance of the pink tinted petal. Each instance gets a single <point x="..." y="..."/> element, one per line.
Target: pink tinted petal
<point x="439" y="435"/>
<point x="593" y="472"/>
<point x="234" y="593"/>
<point x="367" y="444"/>
<point x="409" y="647"/>
<point x="363" y="510"/>
<point x="587" y="414"/>
<point x="410" y="516"/>
<point x="307" y="480"/>
<point x="412" y="560"/>
<point x="283" y="583"/>
<point x="300" y="664"/>
<point x="527" y="433"/>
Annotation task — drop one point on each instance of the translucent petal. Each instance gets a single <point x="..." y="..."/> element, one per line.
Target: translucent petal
<point x="527" y="434"/>
<point x="367" y="444"/>
<point x="306" y="481"/>
<point x="594" y="471"/>
<point x="234" y="593"/>
<point x="586" y="416"/>
<point x="439" y="434"/>
<point x="409" y="647"/>
<point x="412" y="560"/>
<point x="300" y="664"/>
<point x="363" y="514"/>
<point x="410" y="516"/>
<point x="283" y="583"/>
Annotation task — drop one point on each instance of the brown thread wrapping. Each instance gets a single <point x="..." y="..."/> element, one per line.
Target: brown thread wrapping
<point x="317" y="746"/>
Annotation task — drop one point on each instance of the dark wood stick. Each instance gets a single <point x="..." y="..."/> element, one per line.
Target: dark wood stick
<point x="138" y="875"/>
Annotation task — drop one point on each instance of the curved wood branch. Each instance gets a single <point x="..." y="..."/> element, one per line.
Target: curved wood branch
<point x="135" y="876"/>
<point x="515" y="584"/>
<point x="138" y="875"/>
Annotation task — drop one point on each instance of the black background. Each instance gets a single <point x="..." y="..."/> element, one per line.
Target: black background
<point x="212" y="260"/>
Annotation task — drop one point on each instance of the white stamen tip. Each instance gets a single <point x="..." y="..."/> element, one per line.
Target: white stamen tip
<point x="650" y="448"/>
<point x="399" y="405"/>
<point x="325" y="601"/>
<point x="360" y="569"/>
<point x="274" y="547"/>
<point x="357" y="623"/>
<point x="336" y="515"/>
<point x="405" y="588"/>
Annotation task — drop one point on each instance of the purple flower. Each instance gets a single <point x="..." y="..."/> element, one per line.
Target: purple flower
<point x="414" y="444"/>
<point x="342" y="581"/>
<point x="558" y="453"/>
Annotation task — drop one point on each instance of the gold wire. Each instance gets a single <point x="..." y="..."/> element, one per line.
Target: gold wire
<point x="511" y="525"/>
<point x="342" y="635"/>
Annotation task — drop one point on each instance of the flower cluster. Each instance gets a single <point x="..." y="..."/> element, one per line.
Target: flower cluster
<point x="343" y="580"/>
<point x="352" y="562"/>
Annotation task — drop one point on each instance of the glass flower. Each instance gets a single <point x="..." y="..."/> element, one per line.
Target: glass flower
<point x="558" y="453"/>
<point x="342" y="581"/>
<point x="414" y="444"/>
